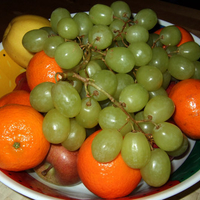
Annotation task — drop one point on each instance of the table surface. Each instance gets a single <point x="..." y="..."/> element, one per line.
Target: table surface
<point x="183" y="16"/>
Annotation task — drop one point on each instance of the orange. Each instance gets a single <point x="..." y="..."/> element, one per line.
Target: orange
<point x="106" y="180"/>
<point x="16" y="97"/>
<point x="23" y="145"/>
<point x="186" y="35"/>
<point x="186" y="97"/>
<point x="41" y="68"/>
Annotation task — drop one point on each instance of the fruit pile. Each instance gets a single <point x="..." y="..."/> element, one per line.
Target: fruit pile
<point x="109" y="87"/>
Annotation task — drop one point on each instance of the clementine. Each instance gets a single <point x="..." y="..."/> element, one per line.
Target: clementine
<point x="23" y="145"/>
<point x="186" y="35"/>
<point x="106" y="180"/>
<point x="186" y="97"/>
<point x="41" y="68"/>
<point x="16" y="97"/>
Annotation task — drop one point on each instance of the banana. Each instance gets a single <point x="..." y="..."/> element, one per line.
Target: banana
<point x="12" y="38"/>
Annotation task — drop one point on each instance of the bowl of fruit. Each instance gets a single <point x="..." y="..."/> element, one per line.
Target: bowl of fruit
<point x="101" y="104"/>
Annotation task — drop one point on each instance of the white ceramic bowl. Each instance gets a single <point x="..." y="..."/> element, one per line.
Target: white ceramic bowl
<point x="185" y="172"/>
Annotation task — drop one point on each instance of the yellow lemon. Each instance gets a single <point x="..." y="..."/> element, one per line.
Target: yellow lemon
<point x="12" y="39"/>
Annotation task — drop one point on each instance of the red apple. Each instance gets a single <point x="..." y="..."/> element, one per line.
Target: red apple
<point x="21" y="82"/>
<point x="171" y="85"/>
<point x="59" y="167"/>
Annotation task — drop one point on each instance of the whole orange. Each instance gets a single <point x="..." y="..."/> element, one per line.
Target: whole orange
<point x="186" y="35"/>
<point x="186" y="97"/>
<point x="16" y="97"/>
<point x="41" y="68"/>
<point x="23" y="145"/>
<point x="107" y="180"/>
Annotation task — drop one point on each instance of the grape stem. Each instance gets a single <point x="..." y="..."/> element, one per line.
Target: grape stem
<point x="89" y="81"/>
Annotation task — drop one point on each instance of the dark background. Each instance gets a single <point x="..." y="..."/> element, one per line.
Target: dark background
<point x="188" y="3"/>
<point x="180" y="12"/>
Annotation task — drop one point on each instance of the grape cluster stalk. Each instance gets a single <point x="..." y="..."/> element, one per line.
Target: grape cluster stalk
<point x="115" y="74"/>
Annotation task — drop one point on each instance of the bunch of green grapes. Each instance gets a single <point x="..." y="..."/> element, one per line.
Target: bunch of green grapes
<point x="115" y="77"/>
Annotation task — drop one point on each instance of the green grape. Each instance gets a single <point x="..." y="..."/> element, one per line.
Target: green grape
<point x="154" y="41"/>
<point x="76" y="136"/>
<point x="114" y="117"/>
<point x="118" y="29"/>
<point x="83" y="73"/>
<point x="145" y="126"/>
<point x="181" y="150"/>
<point x="160" y="108"/>
<point x="56" y="16"/>
<point x="122" y="81"/>
<point x="56" y="127"/>
<point x="137" y="33"/>
<point x="159" y="59"/>
<point x="105" y="103"/>
<point x="120" y="59"/>
<point x="34" y="40"/>
<point x="180" y="67"/>
<point x="121" y="10"/>
<point x="83" y="92"/>
<point x="157" y="171"/>
<point x="119" y="43"/>
<point x="166" y="79"/>
<point x="142" y="53"/>
<point x="51" y="44"/>
<point x="105" y="80"/>
<point x="96" y="55"/>
<point x="146" y="18"/>
<point x="76" y="83"/>
<point x="134" y="96"/>
<point x="107" y="145"/>
<point x="167" y="136"/>
<point x="84" y="39"/>
<point x="190" y="50"/>
<point x="149" y="77"/>
<point x="68" y="28"/>
<point x="100" y="36"/>
<point x="40" y="97"/>
<point x="89" y="113"/>
<point x="160" y="91"/>
<point x="136" y="150"/>
<point x="49" y="31"/>
<point x="170" y="35"/>
<point x="101" y="14"/>
<point x="68" y="55"/>
<point x="84" y="22"/>
<point x="196" y="74"/>
<point x="171" y="50"/>
<point x="91" y="68"/>
<point x="101" y="63"/>
<point x="66" y="99"/>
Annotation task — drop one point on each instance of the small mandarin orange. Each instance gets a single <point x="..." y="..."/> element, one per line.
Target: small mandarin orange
<point x="186" y="97"/>
<point x="107" y="180"/>
<point x="23" y="145"/>
<point x="16" y="97"/>
<point x="41" y="68"/>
